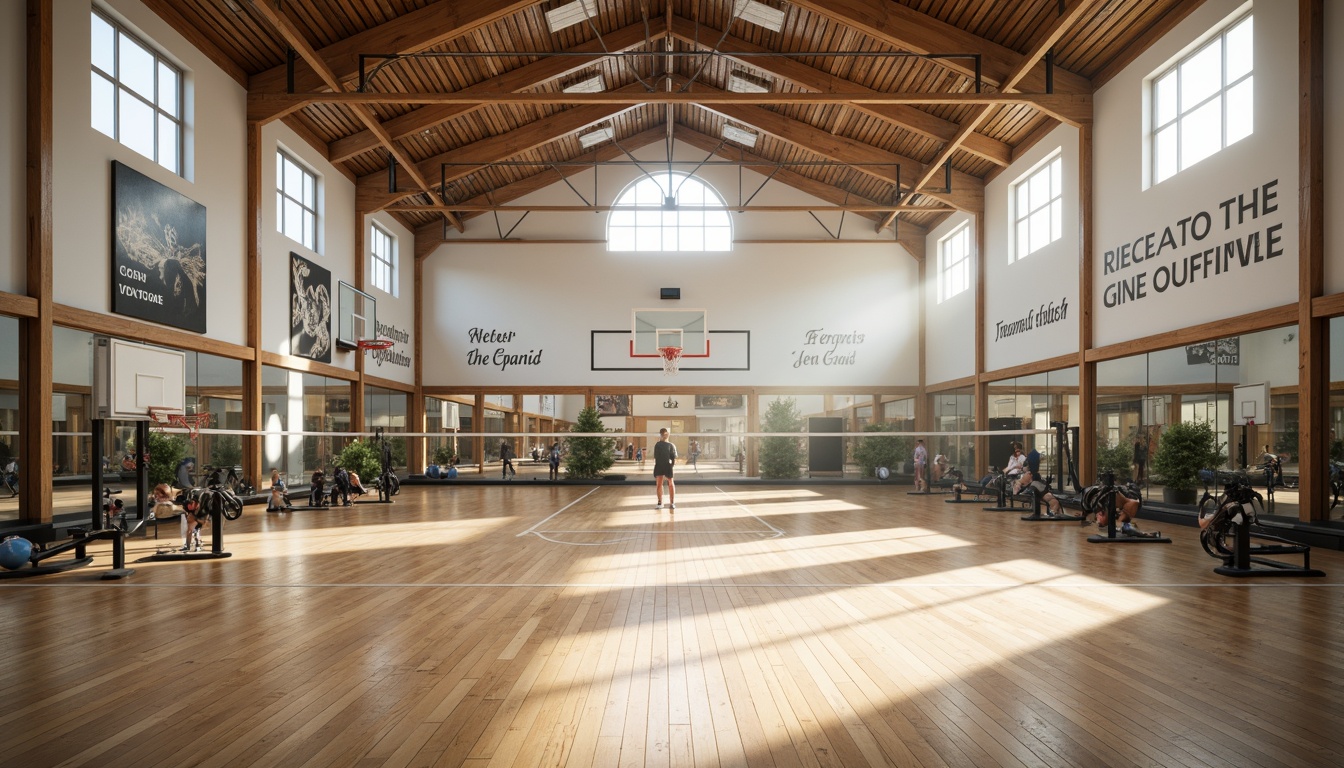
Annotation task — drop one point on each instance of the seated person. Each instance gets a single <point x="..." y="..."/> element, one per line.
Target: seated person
<point x="193" y="518"/>
<point x="1126" y="511"/>
<point x="317" y="491"/>
<point x="161" y="501"/>
<point x="940" y="467"/>
<point x="1017" y="463"/>
<point x="356" y="486"/>
<point x="279" y="500"/>
<point x="1029" y="483"/>
<point x="340" y="486"/>
<point x="1031" y="470"/>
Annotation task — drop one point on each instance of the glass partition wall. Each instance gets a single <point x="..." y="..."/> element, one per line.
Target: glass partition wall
<point x="1243" y="388"/>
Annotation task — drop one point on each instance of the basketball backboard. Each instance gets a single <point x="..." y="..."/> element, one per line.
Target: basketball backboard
<point x="654" y="329"/>
<point x="131" y="378"/>
<point x="356" y="316"/>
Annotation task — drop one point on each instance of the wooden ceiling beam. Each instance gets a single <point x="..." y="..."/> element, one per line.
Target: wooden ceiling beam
<point x="527" y="76"/>
<point x="801" y="75"/>
<point x="286" y="28"/>
<point x="907" y="29"/>
<point x="372" y="195"/>
<point x="410" y="32"/>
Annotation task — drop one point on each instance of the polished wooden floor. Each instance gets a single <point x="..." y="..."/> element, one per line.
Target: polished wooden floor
<point x="758" y="625"/>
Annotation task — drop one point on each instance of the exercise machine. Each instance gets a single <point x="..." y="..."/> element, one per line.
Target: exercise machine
<point x="1230" y="531"/>
<point x="1101" y="499"/>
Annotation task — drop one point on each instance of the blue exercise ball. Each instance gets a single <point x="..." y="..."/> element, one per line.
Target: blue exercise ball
<point x="451" y="473"/>
<point x="433" y="471"/>
<point x="14" y="553"/>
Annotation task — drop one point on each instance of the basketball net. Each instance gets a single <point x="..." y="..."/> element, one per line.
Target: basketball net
<point x="671" y="358"/>
<point x="193" y="423"/>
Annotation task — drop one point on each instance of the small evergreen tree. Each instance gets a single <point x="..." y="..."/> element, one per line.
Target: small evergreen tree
<point x="1185" y="448"/>
<point x="888" y="451"/>
<point x="781" y="457"/>
<point x="1119" y="459"/>
<point x="589" y="457"/>
<point x="361" y="457"/>
<point x="443" y="456"/>
<point x="165" y="452"/>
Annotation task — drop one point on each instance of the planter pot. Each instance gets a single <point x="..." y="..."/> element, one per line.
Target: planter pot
<point x="1186" y="496"/>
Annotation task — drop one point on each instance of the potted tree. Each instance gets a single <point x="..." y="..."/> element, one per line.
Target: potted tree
<point x="781" y="457"/>
<point x="589" y="457"/>
<point x="888" y="451"/>
<point x="1185" y="449"/>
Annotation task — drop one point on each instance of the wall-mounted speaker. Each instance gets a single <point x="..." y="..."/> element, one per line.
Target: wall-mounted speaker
<point x="669" y="293"/>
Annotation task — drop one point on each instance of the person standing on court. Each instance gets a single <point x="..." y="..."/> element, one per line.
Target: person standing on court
<point x="1140" y="459"/>
<point x="506" y="460"/>
<point x="921" y="459"/>
<point x="555" y="460"/>
<point x="664" y="456"/>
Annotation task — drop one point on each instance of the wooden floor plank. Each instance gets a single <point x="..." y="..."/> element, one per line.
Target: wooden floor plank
<point x="761" y="625"/>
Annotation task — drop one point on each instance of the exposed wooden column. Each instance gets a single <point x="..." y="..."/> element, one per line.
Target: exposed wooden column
<point x="1087" y="372"/>
<point x="753" y="425"/>
<point x="923" y="421"/>
<point x="1313" y="332"/>
<point x="979" y="398"/>
<point x="35" y="341"/>
<point x="252" y="397"/>
<point x="478" y="425"/>
<point x="357" y="415"/>
<point x="417" y="452"/>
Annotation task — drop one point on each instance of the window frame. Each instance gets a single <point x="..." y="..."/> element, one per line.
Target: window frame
<point x="1176" y="124"/>
<point x="378" y="265"/>
<point x="643" y="218"/>
<point x="119" y="88"/>
<point x="1053" y="206"/>
<point x="947" y="266"/>
<point x="282" y="157"/>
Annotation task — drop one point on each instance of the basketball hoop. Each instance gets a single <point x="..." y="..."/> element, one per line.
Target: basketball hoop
<point x="367" y="344"/>
<point x="671" y="357"/>
<point x="193" y="423"/>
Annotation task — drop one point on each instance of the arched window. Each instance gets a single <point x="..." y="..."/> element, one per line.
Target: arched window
<point x="673" y="212"/>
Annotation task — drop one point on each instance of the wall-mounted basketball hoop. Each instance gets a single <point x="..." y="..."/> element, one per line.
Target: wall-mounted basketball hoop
<point x="365" y="345"/>
<point x="193" y="423"/>
<point x="671" y="357"/>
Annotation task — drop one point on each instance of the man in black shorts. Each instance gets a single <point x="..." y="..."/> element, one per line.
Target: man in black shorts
<point x="664" y="456"/>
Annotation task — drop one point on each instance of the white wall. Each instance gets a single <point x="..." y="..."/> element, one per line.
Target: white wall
<point x="335" y="240"/>
<point x="13" y="138"/>
<point x="395" y="313"/>
<point x="949" y="330"/>
<point x="214" y="157"/>
<point x="551" y="296"/>
<point x="1127" y="211"/>
<point x="1042" y="287"/>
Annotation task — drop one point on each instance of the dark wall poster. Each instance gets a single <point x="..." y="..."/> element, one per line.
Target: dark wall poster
<point x="158" y="252"/>
<point x="309" y="309"/>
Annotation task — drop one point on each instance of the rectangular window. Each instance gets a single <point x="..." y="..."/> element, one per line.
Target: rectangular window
<point x="954" y="263"/>
<point x="135" y="94"/>
<point x="383" y="269"/>
<point x="1038" y="209"/>
<point x="296" y="201"/>
<point x="1204" y="102"/>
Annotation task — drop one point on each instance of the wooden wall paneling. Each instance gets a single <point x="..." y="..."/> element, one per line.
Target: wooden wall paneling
<point x="135" y="330"/>
<point x="478" y="424"/>
<point x="1087" y="369"/>
<point x="358" y="419"/>
<point x="1028" y="369"/>
<point x="1250" y="322"/>
<point x="980" y="399"/>
<point x="923" y="419"/>
<point x="35" y="352"/>
<point x="16" y="305"/>
<point x="753" y="425"/>
<point x="418" y="452"/>
<point x="304" y="365"/>
<point x="1328" y="306"/>
<point x="252" y="369"/>
<point x="1312" y="331"/>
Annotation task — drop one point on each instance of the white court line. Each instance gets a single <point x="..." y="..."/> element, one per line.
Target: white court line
<point x="778" y="532"/>
<point x="562" y="509"/>
<point x="698" y="585"/>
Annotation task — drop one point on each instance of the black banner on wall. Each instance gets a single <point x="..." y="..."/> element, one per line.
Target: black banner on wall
<point x="158" y="252"/>
<point x="309" y="309"/>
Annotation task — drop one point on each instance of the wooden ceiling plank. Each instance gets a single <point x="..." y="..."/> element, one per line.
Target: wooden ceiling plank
<point x="169" y="11"/>
<point x="414" y="31"/>
<point x="910" y="30"/>
<point x="527" y="76"/>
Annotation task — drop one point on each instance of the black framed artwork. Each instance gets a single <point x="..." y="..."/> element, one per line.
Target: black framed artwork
<point x="158" y="252"/>
<point x="309" y="309"/>
<point x="718" y="401"/>
<point x="612" y="405"/>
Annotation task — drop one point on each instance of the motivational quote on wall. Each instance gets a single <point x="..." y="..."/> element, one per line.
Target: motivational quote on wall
<point x="392" y="355"/>
<point x="499" y="357"/>
<point x="1199" y="248"/>
<point x="827" y="349"/>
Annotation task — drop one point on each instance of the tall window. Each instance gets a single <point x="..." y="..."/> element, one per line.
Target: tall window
<point x="954" y="263"/>
<point x="1205" y="102"/>
<point x="136" y="94"/>
<point x="1038" y="208"/>
<point x="672" y="212"/>
<point x="384" y="266"/>
<point x="296" y="201"/>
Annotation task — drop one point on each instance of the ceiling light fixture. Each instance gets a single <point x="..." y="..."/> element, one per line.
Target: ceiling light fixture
<point x="759" y="14"/>
<point x="570" y="14"/>
<point x="741" y="82"/>
<point x="589" y="140"/>
<point x="739" y="135"/>
<point x="592" y="84"/>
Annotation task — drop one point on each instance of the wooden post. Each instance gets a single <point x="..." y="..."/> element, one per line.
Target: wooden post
<point x="1312" y="332"/>
<point x="1087" y="372"/>
<point x="252" y="391"/>
<point x="35" y="353"/>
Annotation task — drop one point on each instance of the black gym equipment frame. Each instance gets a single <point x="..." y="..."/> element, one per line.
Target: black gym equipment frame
<point x="1109" y="490"/>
